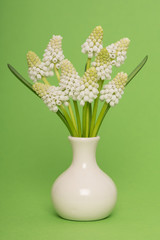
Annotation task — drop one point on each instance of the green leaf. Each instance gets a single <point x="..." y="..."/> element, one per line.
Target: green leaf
<point x="28" y="85"/>
<point x="136" y="70"/>
<point x="22" y="79"/>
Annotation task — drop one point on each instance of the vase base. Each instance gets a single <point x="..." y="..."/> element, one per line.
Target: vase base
<point x="84" y="220"/>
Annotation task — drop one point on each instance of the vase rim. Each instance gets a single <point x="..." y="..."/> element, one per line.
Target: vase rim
<point x="83" y="139"/>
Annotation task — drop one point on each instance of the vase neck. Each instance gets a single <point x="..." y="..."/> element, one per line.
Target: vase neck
<point x="84" y="150"/>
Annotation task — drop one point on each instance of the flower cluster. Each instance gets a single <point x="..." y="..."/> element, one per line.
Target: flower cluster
<point x="73" y="90"/>
<point x="88" y="90"/>
<point x="51" y="95"/>
<point x="53" y="53"/>
<point x="52" y="57"/>
<point x="36" y="68"/>
<point x="113" y="91"/>
<point x="84" y="89"/>
<point x="93" y="44"/>
<point x="69" y="79"/>
<point x="103" y="65"/>
<point x="114" y="54"/>
<point x="118" y="51"/>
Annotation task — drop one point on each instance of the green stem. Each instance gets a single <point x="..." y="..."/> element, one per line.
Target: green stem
<point x="87" y="110"/>
<point x="100" y="119"/>
<point x="87" y="120"/>
<point x="78" y="117"/>
<point x="72" y="117"/>
<point x="90" y="116"/>
<point x="62" y="117"/>
<point x="88" y="63"/>
<point x="69" y="106"/>
<point x="45" y="81"/>
<point x="74" y="133"/>
<point x="56" y="72"/>
<point x="95" y="107"/>
<point x="84" y="120"/>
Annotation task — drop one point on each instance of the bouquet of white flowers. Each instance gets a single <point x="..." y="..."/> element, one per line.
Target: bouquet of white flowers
<point x="85" y="92"/>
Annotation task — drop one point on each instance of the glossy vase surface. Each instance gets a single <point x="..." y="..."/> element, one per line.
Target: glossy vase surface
<point x="84" y="192"/>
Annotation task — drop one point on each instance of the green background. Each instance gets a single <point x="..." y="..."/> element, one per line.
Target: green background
<point x="34" y="144"/>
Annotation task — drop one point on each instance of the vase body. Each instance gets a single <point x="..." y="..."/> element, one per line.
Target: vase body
<point x="84" y="192"/>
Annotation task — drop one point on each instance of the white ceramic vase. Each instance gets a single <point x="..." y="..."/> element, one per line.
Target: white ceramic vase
<point x="84" y="192"/>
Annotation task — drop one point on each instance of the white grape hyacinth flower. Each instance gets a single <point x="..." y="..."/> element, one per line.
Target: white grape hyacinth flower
<point x="113" y="91"/>
<point x="69" y="79"/>
<point x="37" y="69"/>
<point x="55" y="97"/>
<point x="53" y="53"/>
<point x="51" y="95"/>
<point x="88" y="90"/>
<point x="93" y="43"/>
<point x="118" y="51"/>
<point x="103" y="65"/>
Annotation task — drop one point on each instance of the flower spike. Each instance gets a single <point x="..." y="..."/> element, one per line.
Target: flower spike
<point x="36" y="68"/>
<point x="51" y="95"/>
<point x="118" y="51"/>
<point x="53" y="54"/>
<point x="113" y="91"/>
<point x="103" y="65"/>
<point x="88" y="89"/>
<point x="93" y="44"/>
<point x="69" y="79"/>
<point x="55" y="97"/>
<point x="33" y="60"/>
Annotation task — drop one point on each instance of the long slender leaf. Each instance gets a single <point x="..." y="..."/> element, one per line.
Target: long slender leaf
<point x="22" y="79"/>
<point x="106" y="108"/>
<point x="136" y="70"/>
<point x="28" y="85"/>
<point x="62" y="117"/>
